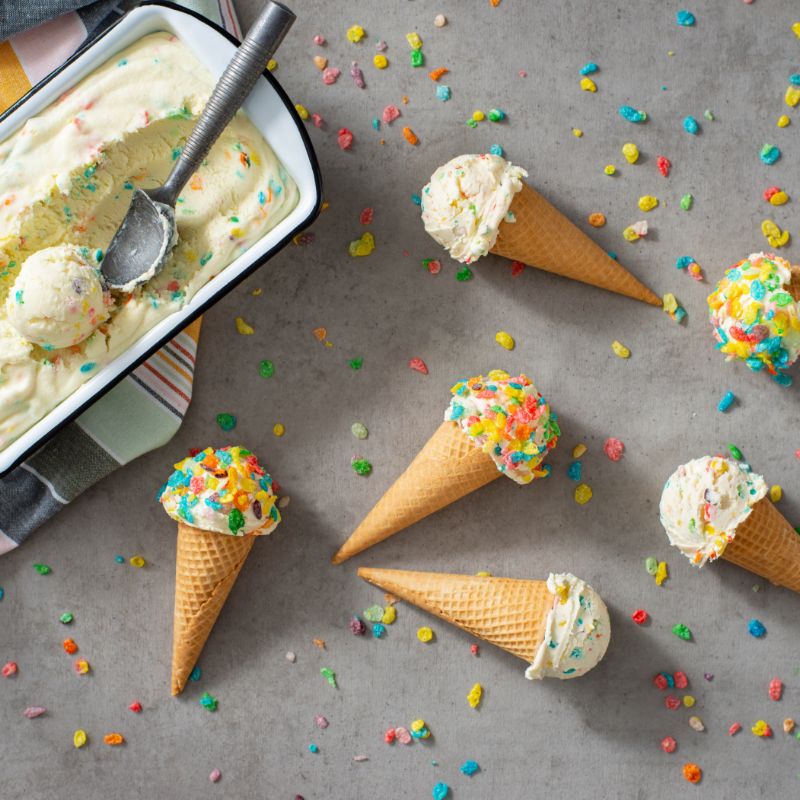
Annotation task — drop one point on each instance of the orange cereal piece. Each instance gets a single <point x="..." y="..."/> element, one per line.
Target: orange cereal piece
<point x="435" y="74"/>
<point x="597" y="220"/>
<point x="411" y="137"/>
<point x="114" y="739"/>
<point x="70" y="646"/>
<point x="320" y="334"/>
<point x="494" y="3"/>
<point x="692" y="773"/>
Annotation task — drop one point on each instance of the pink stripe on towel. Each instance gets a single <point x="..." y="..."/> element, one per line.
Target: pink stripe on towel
<point x="42" y="49"/>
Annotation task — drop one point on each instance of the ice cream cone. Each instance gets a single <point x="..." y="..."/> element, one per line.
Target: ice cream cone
<point x="509" y="613"/>
<point x="766" y="544"/>
<point x="207" y="566"/>
<point x="794" y="286"/>
<point x="544" y="238"/>
<point x="447" y="468"/>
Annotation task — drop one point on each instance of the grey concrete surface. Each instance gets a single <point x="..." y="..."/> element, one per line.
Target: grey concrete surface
<point x="593" y="737"/>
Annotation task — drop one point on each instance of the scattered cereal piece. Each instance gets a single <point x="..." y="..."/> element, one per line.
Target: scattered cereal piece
<point x="424" y="634"/>
<point x="278" y="429"/>
<point x="389" y="615"/>
<point x="631" y="152"/>
<point x="34" y="711"/>
<point x="320" y="62"/>
<point x="215" y="775"/>
<point x="81" y="666"/>
<point x="329" y="676"/>
<point x="680" y="679"/>
<point x="583" y="494"/>
<point x="651" y="565"/>
<point x="775" y="689"/>
<point x="414" y="40"/>
<point x="734" y="729"/>
<point x="792" y="96"/>
<point x="735" y="452"/>
<point x="685" y="18"/>
<point x="291" y="657"/>
<point x="727" y="401"/>
<point x="691" y="125"/>
<point x="756" y="628"/>
<point x="761" y="729"/>
<point x="359" y="430"/>
<point x="345" y="138"/>
<point x="440" y="20"/>
<point x="302" y="111"/>
<point x="778" y="198"/>
<point x="137" y="561"/>
<point x="692" y="773"/>
<point x="632" y="114"/>
<point x="469" y="768"/>
<point x="361" y="466"/>
<point x="70" y="647"/>
<point x="672" y="702"/>
<point x="614" y="448"/>
<point x="440" y="791"/>
<point x="403" y="736"/>
<point x="597" y="220"/>
<point x="775" y="493"/>
<point x="410" y="136"/>
<point x="682" y="632"/>
<point x="769" y="154"/>
<point x="464" y="274"/>
<point x="362" y="246"/>
<point x="788" y="725"/>
<point x="389" y="736"/>
<point x="783" y="121"/>
<point x="379" y="61"/>
<point x="775" y="236"/>
<point x="357" y="75"/>
<point x="417" y="58"/>
<point x="647" y="202"/>
<point x="208" y="702"/>
<point x="330" y="75"/>
<point x="136" y="707"/>
<point x="504" y="340"/>
<point x="418" y="365"/>
<point x="578" y="450"/>
<point x="588" y="85"/>
<point x="114" y="739"/>
<point x="661" y="573"/>
<point x="79" y="739"/>
<point x="496" y="115"/>
<point x="609" y="169"/>
<point x="390" y="114"/>
<point x="355" y="33"/>
<point x="474" y="695"/>
<point x="640" y="616"/>
<point x="42" y="569"/>
<point x="668" y="744"/>
<point x="620" y="349"/>
<point x="574" y="471"/>
<point x="243" y="328"/>
<point x="664" y="165"/>
<point x="474" y="649"/>
<point x="9" y="668"/>
<point x="226" y="422"/>
<point x="577" y="133"/>
<point x="496" y="150"/>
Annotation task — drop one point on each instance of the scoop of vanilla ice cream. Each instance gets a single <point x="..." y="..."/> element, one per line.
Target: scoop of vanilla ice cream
<point x="58" y="298"/>
<point x="466" y="200"/>
<point x="577" y="631"/>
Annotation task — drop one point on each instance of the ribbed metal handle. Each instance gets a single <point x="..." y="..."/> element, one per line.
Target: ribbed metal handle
<point x="229" y="94"/>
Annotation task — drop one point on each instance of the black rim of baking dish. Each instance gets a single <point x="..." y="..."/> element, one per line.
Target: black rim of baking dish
<point x="245" y="273"/>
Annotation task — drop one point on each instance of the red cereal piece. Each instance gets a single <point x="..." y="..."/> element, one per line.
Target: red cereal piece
<point x="768" y="193"/>
<point x="775" y="689"/>
<point x="672" y="702"/>
<point x="136" y="707"/>
<point x="664" y="165"/>
<point x="474" y="649"/>
<point x="640" y="616"/>
<point x="660" y="682"/>
<point x="681" y="681"/>
<point x="692" y="773"/>
<point x="9" y="669"/>
<point x="668" y="744"/>
<point x="517" y="268"/>
<point x="614" y="448"/>
<point x="433" y="265"/>
<point x="734" y="729"/>
<point x="345" y="138"/>
<point x="366" y="216"/>
<point x="390" y="114"/>
<point x="389" y="736"/>
<point x="411" y="137"/>
<point x="193" y="451"/>
<point x="418" y="365"/>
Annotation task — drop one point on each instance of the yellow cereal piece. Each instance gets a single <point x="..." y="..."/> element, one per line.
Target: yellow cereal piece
<point x="243" y="327"/>
<point x="413" y="40"/>
<point x="362" y="246"/>
<point x="661" y="573"/>
<point x="775" y="236"/>
<point x="137" y="561"/>
<point x="783" y="121"/>
<point x="504" y="340"/>
<point x="578" y="450"/>
<point x="792" y="96"/>
<point x="647" y="202"/>
<point x="688" y="701"/>
<point x="478" y="115"/>
<point x="424" y="634"/>
<point x="583" y="494"/>
<point x="588" y="85"/>
<point x="82" y="666"/>
<point x="355" y="33"/>
<point x="577" y="133"/>
<point x="380" y="61"/>
<point x="609" y="169"/>
<point x="418" y="726"/>
<point x="257" y="292"/>
<point x="79" y="738"/>
<point x="630" y="235"/>
<point x="775" y="493"/>
<point x="272" y="65"/>
<point x="301" y="110"/>
<point x="760" y="728"/>
<point x="620" y="349"/>
<point x="278" y="429"/>
<point x="474" y="695"/>
<point x="779" y="198"/>
<point x="631" y="152"/>
<point x="389" y="615"/>
<point x="483" y="574"/>
<point x="670" y="303"/>
<point x="796" y="29"/>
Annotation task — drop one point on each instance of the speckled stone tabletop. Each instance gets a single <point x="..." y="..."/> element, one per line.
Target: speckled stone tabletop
<point x="593" y="737"/>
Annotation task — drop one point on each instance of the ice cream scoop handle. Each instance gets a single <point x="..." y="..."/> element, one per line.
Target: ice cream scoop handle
<point x="232" y="89"/>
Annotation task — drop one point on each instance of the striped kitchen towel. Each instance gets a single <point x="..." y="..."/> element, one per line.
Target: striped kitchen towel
<point x="145" y="410"/>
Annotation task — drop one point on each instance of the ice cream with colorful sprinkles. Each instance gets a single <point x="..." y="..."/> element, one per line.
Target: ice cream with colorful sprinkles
<point x="466" y="200"/>
<point x="222" y="490"/>
<point x="754" y="311"/>
<point x="66" y="180"/>
<point x="509" y="420"/>
<point x="704" y="501"/>
<point x="577" y="631"/>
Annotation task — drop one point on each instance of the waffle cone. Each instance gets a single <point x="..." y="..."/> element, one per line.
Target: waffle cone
<point x="544" y="238"/>
<point x="506" y="612"/>
<point x="765" y="543"/>
<point x="207" y="566"/>
<point x="794" y="285"/>
<point x="447" y="468"/>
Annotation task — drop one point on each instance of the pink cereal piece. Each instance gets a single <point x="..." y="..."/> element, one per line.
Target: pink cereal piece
<point x="668" y="744"/>
<point x="734" y="729"/>
<point x="366" y="216"/>
<point x="523" y="74"/>
<point x="357" y="75"/>
<point x="797" y="454"/>
<point x="474" y="649"/>
<point x="215" y="775"/>
<point x="660" y="682"/>
<point x="9" y="669"/>
<point x="321" y="722"/>
<point x="390" y="114"/>
<point x="317" y="120"/>
<point x="345" y="138"/>
<point x="768" y="193"/>
<point x="614" y="448"/>
<point x="775" y="689"/>
<point x="403" y="736"/>
<point x="681" y="681"/>
<point x="517" y="268"/>
<point x="330" y="75"/>
<point x="418" y="365"/>
<point x="319" y="40"/>
<point x="672" y="702"/>
<point x="381" y="47"/>
<point x="33" y="712"/>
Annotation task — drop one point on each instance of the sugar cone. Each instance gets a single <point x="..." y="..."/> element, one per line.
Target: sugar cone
<point x="794" y="285"/>
<point x="765" y="543"/>
<point x="506" y="612"/>
<point x="447" y="468"/>
<point x="544" y="238"/>
<point x="207" y="566"/>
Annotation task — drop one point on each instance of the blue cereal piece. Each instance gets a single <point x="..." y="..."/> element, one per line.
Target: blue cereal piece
<point x="589" y="68"/>
<point x="769" y="154"/>
<point x="496" y="150"/>
<point x="574" y="471"/>
<point x="376" y="124"/>
<point x="312" y="748"/>
<point x="685" y="18"/>
<point x="469" y="768"/>
<point x="416" y="199"/>
<point x="683" y="262"/>
<point x="691" y="125"/>
<point x="726" y="402"/>
<point x="443" y="93"/>
<point x="795" y="79"/>
<point x="378" y="629"/>
<point x="632" y="114"/>
<point x="756" y="628"/>
<point x="440" y="791"/>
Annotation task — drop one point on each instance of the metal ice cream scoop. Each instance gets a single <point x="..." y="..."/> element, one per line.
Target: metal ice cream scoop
<point x="143" y="242"/>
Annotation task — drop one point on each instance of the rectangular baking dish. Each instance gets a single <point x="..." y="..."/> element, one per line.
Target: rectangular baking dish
<point x="271" y="112"/>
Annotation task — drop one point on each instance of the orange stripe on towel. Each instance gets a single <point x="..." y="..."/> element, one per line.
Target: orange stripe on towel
<point x="13" y="81"/>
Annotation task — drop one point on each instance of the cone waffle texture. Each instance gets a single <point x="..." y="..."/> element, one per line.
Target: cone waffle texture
<point x="508" y="613"/>
<point x="447" y="468"/>
<point x="543" y="237"/>
<point x="794" y="285"/>
<point x="765" y="543"/>
<point x="207" y="566"/>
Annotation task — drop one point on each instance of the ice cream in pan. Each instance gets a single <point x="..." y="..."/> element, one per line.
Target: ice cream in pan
<point x="66" y="179"/>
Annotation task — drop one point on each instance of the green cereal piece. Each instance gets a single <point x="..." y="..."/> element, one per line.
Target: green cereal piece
<point x="682" y="632"/>
<point x="42" y="569"/>
<point x="464" y="274"/>
<point x="417" y="58"/>
<point x="266" y="369"/>
<point x="329" y="676"/>
<point x="361" y="466"/>
<point x="735" y="452"/>
<point x="374" y="613"/>
<point x="651" y="565"/>
<point x="355" y="363"/>
<point x="359" y="430"/>
<point x="66" y="618"/>
<point x="686" y="202"/>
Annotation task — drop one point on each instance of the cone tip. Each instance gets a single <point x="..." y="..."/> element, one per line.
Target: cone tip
<point x="339" y="556"/>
